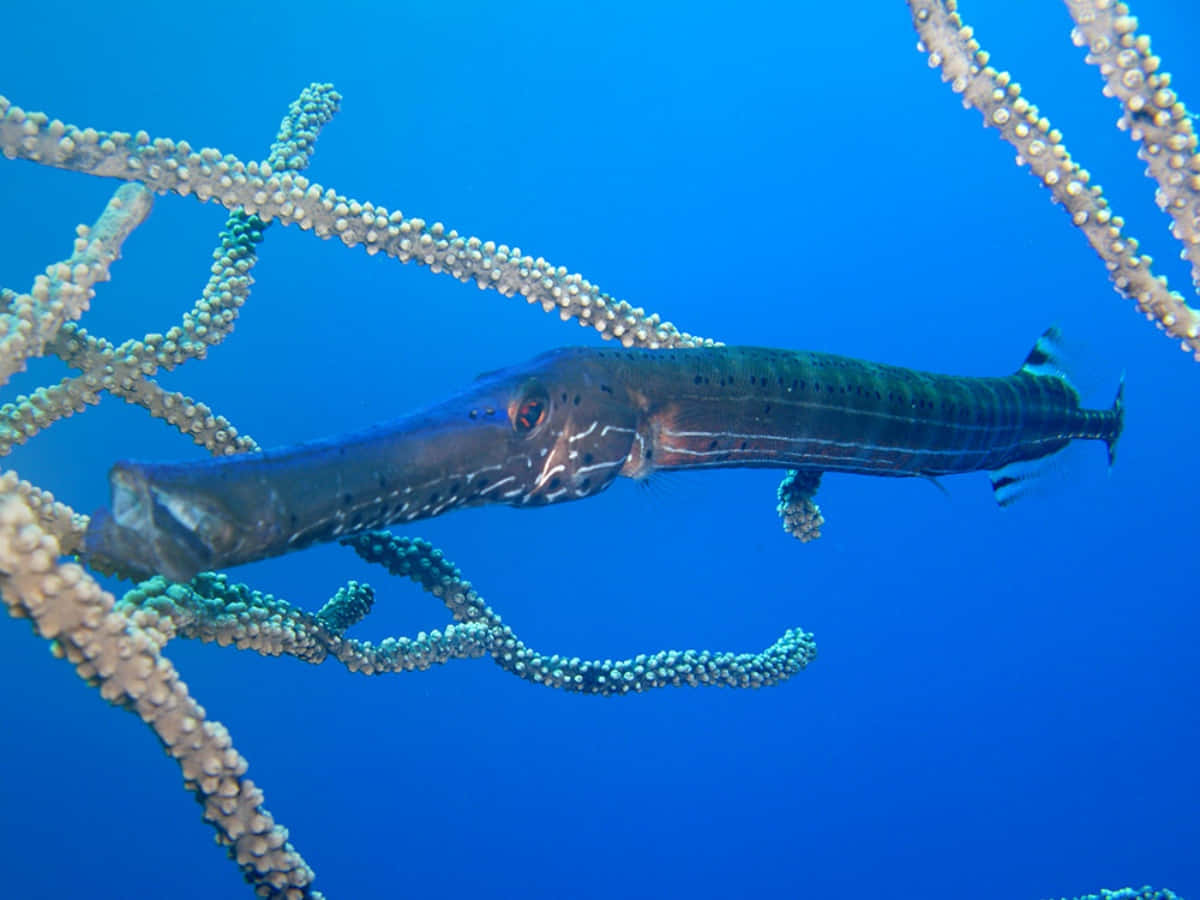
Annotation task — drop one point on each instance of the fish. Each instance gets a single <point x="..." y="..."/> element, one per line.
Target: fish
<point x="566" y="424"/>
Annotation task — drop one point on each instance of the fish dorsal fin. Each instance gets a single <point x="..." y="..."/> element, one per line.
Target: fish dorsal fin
<point x="1045" y="358"/>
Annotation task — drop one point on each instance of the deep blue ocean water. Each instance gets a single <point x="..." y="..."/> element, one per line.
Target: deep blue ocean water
<point x="1004" y="703"/>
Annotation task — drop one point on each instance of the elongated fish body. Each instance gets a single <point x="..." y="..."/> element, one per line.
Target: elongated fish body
<point x="565" y="425"/>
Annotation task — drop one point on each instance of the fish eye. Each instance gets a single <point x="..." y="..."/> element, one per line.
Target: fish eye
<point x="529" y="409"/>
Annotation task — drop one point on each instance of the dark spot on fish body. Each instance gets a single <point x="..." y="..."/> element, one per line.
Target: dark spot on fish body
<point x="587" y="459"/>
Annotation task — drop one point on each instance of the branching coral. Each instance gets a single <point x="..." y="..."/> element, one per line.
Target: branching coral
<point x="116" y="645"/>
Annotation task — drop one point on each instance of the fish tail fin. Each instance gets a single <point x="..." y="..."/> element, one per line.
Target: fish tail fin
<point x="1118" y="415"/>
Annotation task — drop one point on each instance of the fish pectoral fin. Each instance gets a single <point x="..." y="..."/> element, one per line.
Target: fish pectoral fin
<point x="937" y="483"/>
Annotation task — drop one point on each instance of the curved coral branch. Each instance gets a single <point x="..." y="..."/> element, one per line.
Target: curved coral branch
<point x="212" y="609"/>
<point x="1152" y="114"/>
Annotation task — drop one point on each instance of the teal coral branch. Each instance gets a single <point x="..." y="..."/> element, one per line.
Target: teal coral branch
<point x="419" y="561"/>
<point x="1143" y="893"/>
<point x="799" y="513"/>
<point x="211" y="608"/>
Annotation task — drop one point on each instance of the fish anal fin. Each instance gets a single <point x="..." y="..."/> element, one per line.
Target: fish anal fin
<point x="1046" y="476"/>
<point x="1009" y="483"/>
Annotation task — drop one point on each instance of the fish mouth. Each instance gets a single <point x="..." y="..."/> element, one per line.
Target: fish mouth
<point x="179" y="519"/>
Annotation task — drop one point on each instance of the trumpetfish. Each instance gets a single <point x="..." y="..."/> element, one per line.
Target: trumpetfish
<point x="568" y="423"/>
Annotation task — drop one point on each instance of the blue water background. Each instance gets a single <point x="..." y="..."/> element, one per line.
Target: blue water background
<point x="1005" y="702"/>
